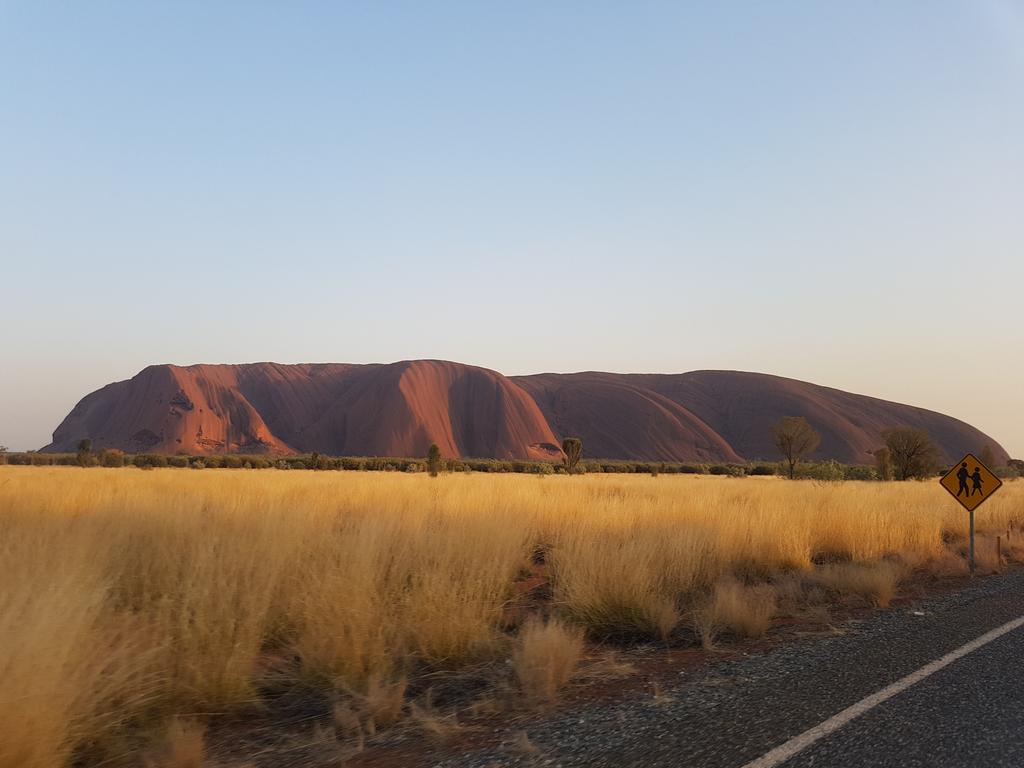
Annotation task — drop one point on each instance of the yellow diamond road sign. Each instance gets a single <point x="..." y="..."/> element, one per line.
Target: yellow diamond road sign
<point x="970" y="482"/>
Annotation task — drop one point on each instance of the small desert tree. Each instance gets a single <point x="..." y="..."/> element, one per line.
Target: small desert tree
<point x="795" y="439"/>
<point x="883" y="463"/>
<point x="988" y="457"/>
<point x="912" y="452"/>
<point x="433" y="460"/>
<point x="84" y="451"/>
<point x="572" y="447"/>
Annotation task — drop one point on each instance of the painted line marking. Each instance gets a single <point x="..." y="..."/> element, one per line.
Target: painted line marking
<point x="799" y="743"/>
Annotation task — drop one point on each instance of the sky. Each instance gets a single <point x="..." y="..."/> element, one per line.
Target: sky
<point x="828" y="191"/>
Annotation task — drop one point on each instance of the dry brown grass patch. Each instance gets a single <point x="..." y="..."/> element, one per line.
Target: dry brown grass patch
<point x="735" y="609"/>
<point x="435" y="725"/>
<point x="875" y="582"/>
<point x="184" y="746"/>
<point x="546" y="657"/>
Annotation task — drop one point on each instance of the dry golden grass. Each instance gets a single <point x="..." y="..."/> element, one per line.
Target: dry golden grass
<point x="72" y="667"/>
<point x="435" y="725"/>
<point x="184" y="746"/>
<point x="546" y="657"/>
<point x="875" y="582"/>
<point x="379" y="706"/>
<point x="742" y="610"/>
<point x="131" y="596"/>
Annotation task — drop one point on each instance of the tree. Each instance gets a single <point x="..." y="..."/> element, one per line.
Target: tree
<point x="988" y="457"/>
<point x="795" y="438"/>
<point x="433" y="460"/>
<point x="883" y="463"/>
<point x="572" y="447"/>
<point x="912" y="452"/>
<point x="84" y="451"/>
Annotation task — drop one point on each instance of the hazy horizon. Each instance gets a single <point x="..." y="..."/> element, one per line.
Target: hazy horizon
<point x="830" y="194"/>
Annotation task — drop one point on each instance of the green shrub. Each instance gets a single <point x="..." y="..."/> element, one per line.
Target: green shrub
<point x="610" y="467"/>
<point x="859" y="472"/>
<point x="150" y="460"/>
<point x="319" y="462"/>
<point x="830" y="471"/>
<point x="693" y="469"/>
<point x="112" y="457"/>
<point x="728" y="470"/>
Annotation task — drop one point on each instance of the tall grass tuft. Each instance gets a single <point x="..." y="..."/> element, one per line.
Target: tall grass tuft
<point x="546" y="657"/>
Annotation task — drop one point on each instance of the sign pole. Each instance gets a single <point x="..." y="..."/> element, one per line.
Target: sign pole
<point x="971" y="489"/>
<point x="972" y="542"/>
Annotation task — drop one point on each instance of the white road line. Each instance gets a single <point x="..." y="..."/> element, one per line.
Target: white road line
<point x="799" y="743"/>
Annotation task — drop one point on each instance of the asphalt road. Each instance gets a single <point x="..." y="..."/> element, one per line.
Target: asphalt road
<point x="729" y="714"/>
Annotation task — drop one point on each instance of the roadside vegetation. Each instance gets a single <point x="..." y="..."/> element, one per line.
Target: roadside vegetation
<point x="138" y="604"/>
<point x="803" y="470"/>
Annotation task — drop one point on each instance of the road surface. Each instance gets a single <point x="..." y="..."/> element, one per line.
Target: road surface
<point x="939" y="683"/>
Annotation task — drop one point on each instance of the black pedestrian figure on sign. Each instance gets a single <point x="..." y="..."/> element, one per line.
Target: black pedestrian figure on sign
<point x="976" y="479"/>
<point x="962" y="476"/>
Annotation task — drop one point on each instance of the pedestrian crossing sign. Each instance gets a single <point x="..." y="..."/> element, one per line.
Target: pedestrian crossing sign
<point x="970" y="482"/>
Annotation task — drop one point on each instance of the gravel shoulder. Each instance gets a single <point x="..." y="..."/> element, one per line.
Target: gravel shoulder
<point x="728" y="712"/>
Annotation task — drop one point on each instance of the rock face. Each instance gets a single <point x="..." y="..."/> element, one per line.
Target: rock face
<point x="692" y="415"/>
<point x="401" y="408"/>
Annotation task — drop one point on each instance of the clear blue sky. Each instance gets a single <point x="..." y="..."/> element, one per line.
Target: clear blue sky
<point x="829" y="191"/>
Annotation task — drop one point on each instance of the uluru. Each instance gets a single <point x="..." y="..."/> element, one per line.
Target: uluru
<point x="399" y="409"/>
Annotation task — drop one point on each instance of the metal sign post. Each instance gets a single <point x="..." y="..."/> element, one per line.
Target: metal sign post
<point x="971" y="483"/>
<point x="972" y="543"/>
